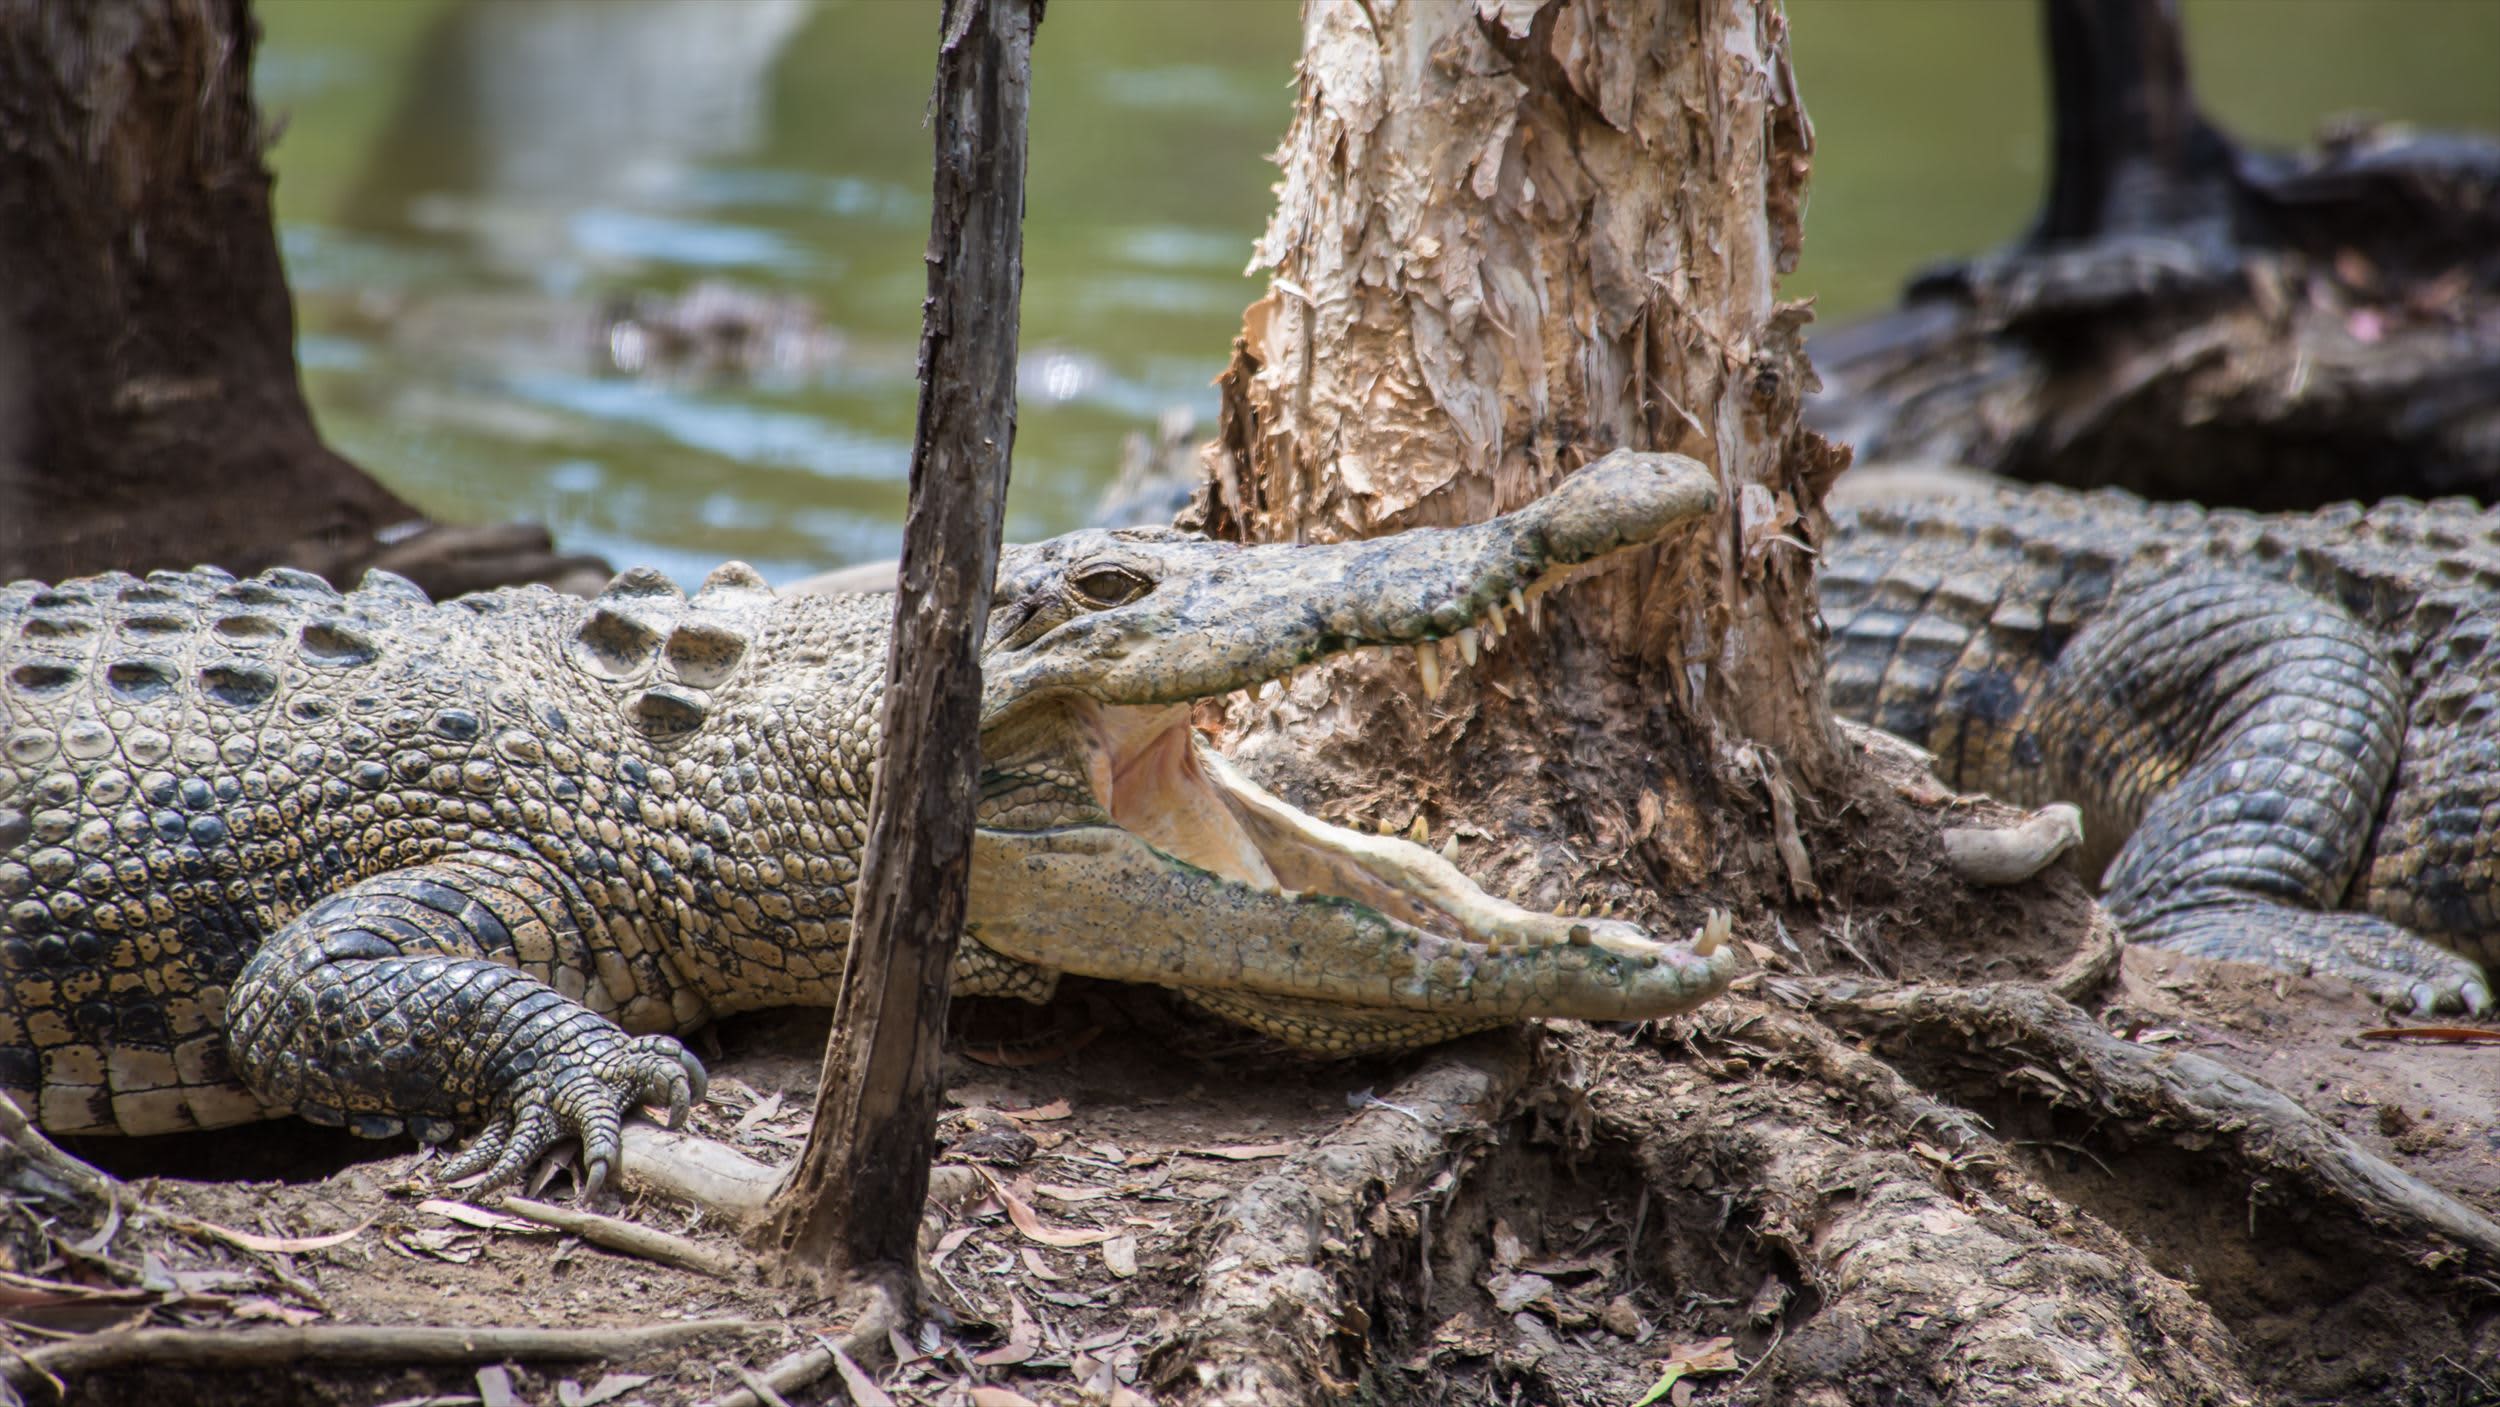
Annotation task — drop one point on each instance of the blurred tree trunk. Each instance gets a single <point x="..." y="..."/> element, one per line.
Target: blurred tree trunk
<point x="2187" y="318"/>
<point x="1510" y="237"/>
<point x="150" y="411"/>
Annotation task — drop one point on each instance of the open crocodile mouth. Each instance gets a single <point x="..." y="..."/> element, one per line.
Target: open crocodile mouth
<point x="1205" y="882"/>
<point x="1162" y="782"/>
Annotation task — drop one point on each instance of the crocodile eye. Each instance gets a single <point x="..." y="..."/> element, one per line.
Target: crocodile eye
<point x="1109" y="584"/>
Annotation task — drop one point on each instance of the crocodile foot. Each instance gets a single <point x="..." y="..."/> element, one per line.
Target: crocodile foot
<point x="2440" y="982"/>
<point x="581" y="1094"/>
<point x="2399" y="969"/>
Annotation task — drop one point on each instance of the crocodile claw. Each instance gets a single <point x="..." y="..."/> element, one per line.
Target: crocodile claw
<point x="570" y="1096"/>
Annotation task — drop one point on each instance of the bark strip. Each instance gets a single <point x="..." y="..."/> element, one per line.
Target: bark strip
<point x="851" y="1211"/>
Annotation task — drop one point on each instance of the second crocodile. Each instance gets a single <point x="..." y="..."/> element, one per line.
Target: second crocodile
<point x="2284" y="732"/>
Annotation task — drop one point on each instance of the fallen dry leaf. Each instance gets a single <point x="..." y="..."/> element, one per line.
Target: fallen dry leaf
<point x="1034" y="1228"/>
<point x="468" y="1214"/>
<point x="765" y="1108"/>
<point x="262" y="1307"/>
<point x="1242" y="1152"/>
<point x="280" y="1245"/>
<point x="1040" y="1113"/>
<point x="1006" y="1355"/>
<point x="1002" y="1058"/>
<point x="1000" y="1397"/>
<point x="1119" y="1256"/>
<point x="862" y="1388"/>
<point x="1713" y="1356"/>
<point x="610" y="1387"/>
<point x="2459" y="1035"/>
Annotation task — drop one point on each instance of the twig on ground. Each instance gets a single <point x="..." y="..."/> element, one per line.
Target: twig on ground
<point x="632" y="1238"/>
<point x="120" y="1201"/>
<point x="349" y="1344"/>
<point x="762" y="1389"/>
<point x="695" y="1169"/>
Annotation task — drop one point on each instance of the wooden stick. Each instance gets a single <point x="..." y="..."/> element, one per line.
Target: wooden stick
<point x="850" y="1214"/>
<point x="632" y="1238"/>
<point x="350" y="1343"/>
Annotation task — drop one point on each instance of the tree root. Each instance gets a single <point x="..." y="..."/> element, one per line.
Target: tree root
<point x="1974" y="1036"/>
<point x="334" y="1344"/>
<point x="695" y="1169"/>
<point x="1925" y="1254"/>
<point x="1932" y="1260"/>
<point x="1275" y="1294"/>
<point x="1993" y="855"/>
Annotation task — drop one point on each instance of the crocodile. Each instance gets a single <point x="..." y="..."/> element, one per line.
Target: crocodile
<point x="267" y="847"/>
<point x="2280" y="729"/>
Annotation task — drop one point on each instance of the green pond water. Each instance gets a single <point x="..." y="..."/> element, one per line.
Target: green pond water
<point x="463" y="185"/>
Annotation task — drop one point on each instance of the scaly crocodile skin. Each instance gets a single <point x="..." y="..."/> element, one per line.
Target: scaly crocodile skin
<point x="2281" y="729"/>
<point x="389" y="863"/>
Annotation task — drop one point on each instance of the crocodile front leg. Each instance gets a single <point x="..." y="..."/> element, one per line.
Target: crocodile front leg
<point x="396" y="1003"/>
<point x="2287" y="717"/>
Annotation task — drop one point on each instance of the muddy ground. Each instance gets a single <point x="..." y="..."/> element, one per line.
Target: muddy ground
<point x="1726" y="1208"/>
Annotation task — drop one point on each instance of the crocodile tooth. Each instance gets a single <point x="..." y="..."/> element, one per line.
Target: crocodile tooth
<point x="1449" y="848"/>
<point x="1518" y="602"/>
<point x="1536" y="613"/>
<point x="1495" y="623"/>
<point x="1467" y="646"/>
<point x="1428" y="664"/>
<point x="1717" y="928"/>
<point x="1419" y="833"/>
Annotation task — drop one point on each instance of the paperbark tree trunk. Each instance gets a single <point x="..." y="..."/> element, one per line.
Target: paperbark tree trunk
<point x="1510" y="237"/>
